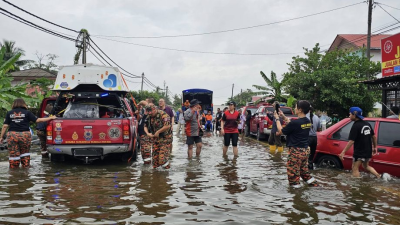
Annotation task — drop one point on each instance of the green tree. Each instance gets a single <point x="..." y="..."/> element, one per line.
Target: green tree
<point x="10" y="51"/>
<point x="273" y="88"/>
<point x="9" y="93"/>
<point x="242" y="98"/>
<point x="139" y="96"/>
<point x="177" y="102"/>
<point x="45" y="62"/>
<point x="331" y="81"/>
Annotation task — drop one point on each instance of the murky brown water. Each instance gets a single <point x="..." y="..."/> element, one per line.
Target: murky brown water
<point x="210" y="190"/>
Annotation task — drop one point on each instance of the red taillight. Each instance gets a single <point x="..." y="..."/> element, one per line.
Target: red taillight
<point x="126" y="129"/>
<point x="49" y="133"/>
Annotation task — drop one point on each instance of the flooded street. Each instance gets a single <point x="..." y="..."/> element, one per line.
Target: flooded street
<point x="252" y="189"/>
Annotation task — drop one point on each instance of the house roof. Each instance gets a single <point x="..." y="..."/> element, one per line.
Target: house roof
<point x="357" y="41"/>
<point x="33" y="73"/>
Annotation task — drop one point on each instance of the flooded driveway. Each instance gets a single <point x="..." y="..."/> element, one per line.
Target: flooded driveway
<point x="252" y="189"/>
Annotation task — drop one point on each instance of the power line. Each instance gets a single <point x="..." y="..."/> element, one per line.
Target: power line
<point x="111" y="59"/>
<point x="26" y="22"/>
<point x="39" y="17"/>
<point x="96" y="57"/>
<point x="389" y="13"/>
<point x="387" y="5"/>
<point x="201" y="52"/>
<point x="235" y="29"/>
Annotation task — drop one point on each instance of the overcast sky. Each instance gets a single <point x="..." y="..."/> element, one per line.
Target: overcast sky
<point x="183" y="70"/>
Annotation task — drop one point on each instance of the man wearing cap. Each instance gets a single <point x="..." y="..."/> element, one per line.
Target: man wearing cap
<point x="363" y="137"/>
<point x="192" y="128"/>
<point x="158" y="128"/>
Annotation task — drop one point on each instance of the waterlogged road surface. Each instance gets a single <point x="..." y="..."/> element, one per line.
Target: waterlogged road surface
<point x="251" y="189"/>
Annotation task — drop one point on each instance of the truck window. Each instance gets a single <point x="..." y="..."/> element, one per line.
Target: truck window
<point x="389" y="134"/>
<point x="287" y="111"/>
<point x="343" y="133"/>
<point x="71" y="106"/>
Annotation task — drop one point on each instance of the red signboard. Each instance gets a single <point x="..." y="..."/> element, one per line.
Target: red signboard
<point x="390" y="48"/>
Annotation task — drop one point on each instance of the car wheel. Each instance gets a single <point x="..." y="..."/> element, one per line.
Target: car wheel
<point x="328" y="161"/>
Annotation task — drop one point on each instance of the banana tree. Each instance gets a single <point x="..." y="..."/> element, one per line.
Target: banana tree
<point x="273" y="88"/>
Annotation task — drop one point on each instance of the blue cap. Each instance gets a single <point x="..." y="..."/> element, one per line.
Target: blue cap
<point x="357" y="111"/>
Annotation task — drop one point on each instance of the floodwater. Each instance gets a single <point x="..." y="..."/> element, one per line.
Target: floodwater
<point x="252" y="189"/>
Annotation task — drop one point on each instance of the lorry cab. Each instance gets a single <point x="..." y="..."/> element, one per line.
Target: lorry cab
<point x="94" y="118"/>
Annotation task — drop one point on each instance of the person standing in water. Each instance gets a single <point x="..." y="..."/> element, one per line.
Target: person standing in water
<point x="229" y="125"/>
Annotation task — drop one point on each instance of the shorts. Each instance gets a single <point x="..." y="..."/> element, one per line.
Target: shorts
<point x="355" y="159"/>
<point x="193" y="139"/>
<point x="229" y="136"/>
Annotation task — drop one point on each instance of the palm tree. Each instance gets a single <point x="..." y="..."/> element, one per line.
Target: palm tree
<point x="273" y="87"/>
<point x="10" y="51"/>
<point x="9" y="93"/>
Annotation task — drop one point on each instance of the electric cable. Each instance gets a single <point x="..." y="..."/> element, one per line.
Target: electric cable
<point x="235" y="29"/>
<point x="112" y="60"/>
<point x="387" y="5"/>
<point x="201" y="52"/>
<point x="26" y="22"/>
<point x="388" y="13"/>
<point x="40" y="17"/>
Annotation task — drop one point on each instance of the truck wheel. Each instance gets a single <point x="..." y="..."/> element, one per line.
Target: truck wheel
<point x="328" y="161"/>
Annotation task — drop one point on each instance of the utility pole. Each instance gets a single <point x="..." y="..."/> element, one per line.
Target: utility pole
<point x="84" y="47"/>
<point x="141" y="90"/>
<point x="233" y="85"/>
<point x="370" y="4"/>
<point x="164" y="90"/>
<point x="240" y="98"/>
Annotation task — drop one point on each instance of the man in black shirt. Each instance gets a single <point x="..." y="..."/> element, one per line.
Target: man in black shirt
<point x="218" y="117"/>
<point x="297" y="132"/>
<point x="363" y="137"/>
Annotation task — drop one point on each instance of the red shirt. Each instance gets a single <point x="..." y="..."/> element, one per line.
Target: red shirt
<point x="231" y="121"/>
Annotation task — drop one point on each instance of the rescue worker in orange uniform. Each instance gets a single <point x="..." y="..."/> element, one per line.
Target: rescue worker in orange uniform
<point x="19" y="136"/>
<point x="158" y="128"/>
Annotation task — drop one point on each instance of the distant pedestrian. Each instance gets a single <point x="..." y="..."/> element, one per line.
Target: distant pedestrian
<point x="192" y="128"/>
<point x="230" y="121"/>
<point x="186" y="105"/>
<point x="19" y="136"/>
<point x="297" y="132"/>
<point x="167" y="109"/>
<point x="158" y="128"/>
<point x="181" y="122"/>
<point x="312" y="139"/>
<point x="209" y="118"/>
<point x="218" y="117"/>
<point x="144" y="140"/>
<point x="241" y="122"/>
<point x="41" y="132"/>
<point x="274" y="139"/>
<point x="248" y="118"/>
<point x="362" y="135"/>
<point x="394" y="113"/>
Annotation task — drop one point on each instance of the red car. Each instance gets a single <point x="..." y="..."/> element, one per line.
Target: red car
<point x="261" y="125"/>
<point x="332" y="141"/>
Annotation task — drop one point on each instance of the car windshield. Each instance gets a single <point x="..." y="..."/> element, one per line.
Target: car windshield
<point x="252" y="110"/>
<point x="287" y="111"/>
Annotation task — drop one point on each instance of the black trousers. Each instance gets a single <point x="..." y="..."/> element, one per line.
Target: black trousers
<point x="312" y="142"/>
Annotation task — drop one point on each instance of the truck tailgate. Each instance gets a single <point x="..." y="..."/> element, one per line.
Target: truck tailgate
<point x="87" y="131"/>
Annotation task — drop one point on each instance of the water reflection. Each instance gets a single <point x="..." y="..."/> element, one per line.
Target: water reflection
<point x="251" y="189"/>
<point x="228" y="171"/>
<point x="153" y="189"/>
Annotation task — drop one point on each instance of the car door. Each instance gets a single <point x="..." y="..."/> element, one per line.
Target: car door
<point x="388" y="158"/>
<point x="339" y="140"/>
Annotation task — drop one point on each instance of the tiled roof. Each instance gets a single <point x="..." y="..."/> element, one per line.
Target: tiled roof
<point x="33" y="73"/>
<point x="357" y="41"/>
